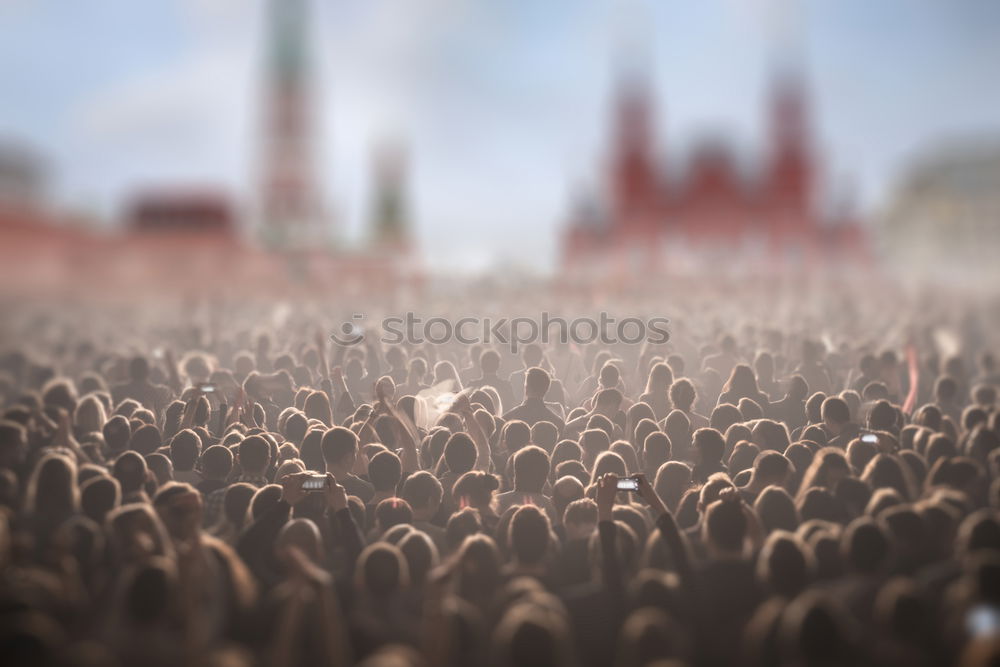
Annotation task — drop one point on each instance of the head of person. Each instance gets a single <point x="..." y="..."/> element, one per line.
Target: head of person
<point x="340" y="448"/>
<point x="798" y="389"/>
<point x="709" y="445"/>
<point x="52" y="489"/>
<point x="529" y="535"/>
<point x="99" y="496"/>
<point x="945" y="390"/>
<point x="683" y="394"/>
<point x="130" y="470"/>
<point x="384" y="471"/>
<point x="771" y="468"/>
<point x="608" y="402"/>
<point x="216" y="463"/>
<point x="475" y="489"/>
<point x="420" y="553"/>
<point x="423" y="492"/>
<point x="536" y="382"/>
<point x="836" y="414"/>
<point x="381" y="571"/>
<point x="90" y="415"/>
<point x="254" y="455"/>
<point x="531" y="469"/>
<point x="784" y="565"/>
<point x="179" y="507"/>
<point x="460" y="453"/>
<point x="580" y="519"/>
<point x="610" y="375"/>
<point x="489" y="362"/>
<point x="742" y="381"/>
<point x="672" y="479"/>
<point x="725" y="528"/>
<point x="776" y="510"/>
<point x="185" y="448"/>
<point x="392" y="512"/>
<point x="593" y="441"/>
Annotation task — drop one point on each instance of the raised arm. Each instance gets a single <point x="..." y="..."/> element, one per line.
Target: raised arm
<point x="611" y="571"/>
<point x="669" y="531"/>
<point x="484" y="456"/>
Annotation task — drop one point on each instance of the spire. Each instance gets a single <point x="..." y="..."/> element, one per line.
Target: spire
<point x="290" y="206"/>
<point x="390" y="224"/>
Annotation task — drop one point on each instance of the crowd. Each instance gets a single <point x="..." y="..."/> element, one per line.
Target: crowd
<point x="250" y="492"/>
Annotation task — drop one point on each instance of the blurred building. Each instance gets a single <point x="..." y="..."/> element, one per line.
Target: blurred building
<point x="22" y="176"/>
<point x="946" y="211"/>
<point x="190" y="238"/>
<point x="649" y="218"/>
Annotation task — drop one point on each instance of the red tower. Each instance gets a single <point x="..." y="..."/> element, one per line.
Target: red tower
<point x="635" y="174"/>
<point x="789" y="173"/>
<point x="290" y="206"/>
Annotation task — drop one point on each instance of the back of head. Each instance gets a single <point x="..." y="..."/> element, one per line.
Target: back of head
<point x="340" y="446"/>
<point x="531" y="469"/>
<point x="835" y="411"/>
<point x="776" y="510"/>
<point x="392" y="512"/>
<point x="130" y="471"/>
<point x="460" y="453"/>
<point x="536" y="382"/>
<point x="709" y="444"/>
<point x="594" y="441"/>
<point x="725" y="525"/>
<point x="145" y="440"/>
<point x="783" y="564"/>
<point x="474" y="488"/>
<point x="489" y="362"/>
<point x="216" y="462"/>
<point x="530" y="636"/>
<point x="682" y="394"/>
<point x="384" y="471"/>
<point x="529" y="535"/>
<point x="866" y="547"/>
<point x="185" y="447"/>
<point x="254" y="454"/>
<point x="421" y="555"/>
<point x="422" y="490"/>
<point x="98" y="496"/>
<point x="382" y="570"/>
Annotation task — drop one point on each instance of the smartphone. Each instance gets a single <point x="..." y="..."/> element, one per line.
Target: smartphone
<point x="315" y="483"/>
<point x="983" y="620"/>
<point x="628" y="484"/>
<point x="206" y="387"/>
<point x="870" y="438"/>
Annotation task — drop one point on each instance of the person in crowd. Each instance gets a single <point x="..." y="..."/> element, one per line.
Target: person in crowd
<point x="353" y="504"/>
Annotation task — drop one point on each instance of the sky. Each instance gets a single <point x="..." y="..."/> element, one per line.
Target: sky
<point x="503" y="105"/>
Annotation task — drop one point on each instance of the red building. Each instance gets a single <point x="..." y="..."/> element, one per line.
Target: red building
<point x="652" y="220"/>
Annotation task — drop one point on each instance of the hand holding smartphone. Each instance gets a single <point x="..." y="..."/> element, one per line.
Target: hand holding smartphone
<point x="628" y="484"/>
<point x="315" y="482"/>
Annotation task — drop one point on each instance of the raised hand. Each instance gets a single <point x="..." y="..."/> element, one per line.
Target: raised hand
<point x="291" y="487"/>
<point x="336" y="494"/>
<point x="648" y="493"/>
<point x="607" y="489"/>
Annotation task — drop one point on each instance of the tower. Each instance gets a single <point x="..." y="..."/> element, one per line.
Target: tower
<point x="635" y="179"/>
<point x="290" y="206"/>
<point x="390" y="212"/>
<point x="790" y="169"/>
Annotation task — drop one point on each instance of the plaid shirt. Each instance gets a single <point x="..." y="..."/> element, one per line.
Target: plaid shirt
<point x="214" y="501"/>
